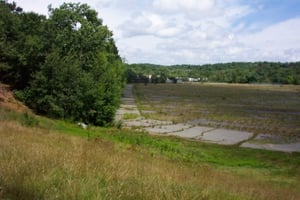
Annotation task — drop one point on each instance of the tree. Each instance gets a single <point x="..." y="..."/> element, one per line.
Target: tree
<point x="21" y="44"/>
<point x="9" y="34"/>
<point x="83" y="74"/>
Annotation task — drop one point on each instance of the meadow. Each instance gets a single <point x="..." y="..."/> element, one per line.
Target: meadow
<point x="42" y="158"/>
<point x="258" y="108"/>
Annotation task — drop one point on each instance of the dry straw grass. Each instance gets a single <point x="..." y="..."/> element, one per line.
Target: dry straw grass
<point x="7" y="100"/>
<point x="42" y="164"/>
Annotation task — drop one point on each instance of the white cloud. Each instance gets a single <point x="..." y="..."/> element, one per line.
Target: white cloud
<point x="186" y="5"/>
<point x="202" y="31"/>
<point x="149" y="24"/>
<point x="40" y="7"/>
<point x="191" y="31"/>
<point x="277" y="42"/>
<point x="284" y="34"/>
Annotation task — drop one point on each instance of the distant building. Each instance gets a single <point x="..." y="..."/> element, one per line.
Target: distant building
<point x="193" y="79"/>
<point x="170" y="80"/>
<point x="174" y="80"/>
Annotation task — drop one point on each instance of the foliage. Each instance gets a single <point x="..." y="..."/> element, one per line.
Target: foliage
<point x="22" y="48"/>
<point x="242" y="72"/>
<point x="29" y="120"/>
<point x="66" y="66"/>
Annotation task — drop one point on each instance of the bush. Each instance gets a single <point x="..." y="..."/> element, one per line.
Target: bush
<point x="28" y="120"/>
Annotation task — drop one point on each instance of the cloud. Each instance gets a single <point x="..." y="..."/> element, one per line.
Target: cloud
<point x="285" y="34"/>
<point x="137" y="25"/>
<point x="276" y="42"/>
<point x="187" y="5"/>
<point x="104" y="3"/>
<point x="209" y="44"/>
<point x="183" y="34"/>
<point x="150" y="24"/>
<point x="197" y="31"/>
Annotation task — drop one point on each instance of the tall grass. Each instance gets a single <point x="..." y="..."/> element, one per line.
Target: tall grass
<point x="39" y="162"/>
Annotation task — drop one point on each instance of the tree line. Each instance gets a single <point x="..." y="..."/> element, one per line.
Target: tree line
<point x="64" y="66"/>
<point x="236" y="72"/>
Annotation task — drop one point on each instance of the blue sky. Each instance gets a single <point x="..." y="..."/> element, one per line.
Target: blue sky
<point x="197" y="31"/>
<point x="269" y="12"/>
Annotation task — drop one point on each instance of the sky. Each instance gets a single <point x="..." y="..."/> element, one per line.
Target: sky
<point x="171" y="32"/>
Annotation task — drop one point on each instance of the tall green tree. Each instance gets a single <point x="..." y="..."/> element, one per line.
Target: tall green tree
<point x="83" y="74"/>
<point x="22" y="49"/>
<point x="9" y="35"/>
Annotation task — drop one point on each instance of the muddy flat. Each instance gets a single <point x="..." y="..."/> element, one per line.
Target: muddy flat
<point x="225" y="136"/>
<point x="170" y="128"/>
<point x="292" y="147"/>
<point x="191" y="130"/>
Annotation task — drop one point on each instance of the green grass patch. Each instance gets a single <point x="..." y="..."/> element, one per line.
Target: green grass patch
<point x="26" y="119"/>
<point x="128" y="116"/>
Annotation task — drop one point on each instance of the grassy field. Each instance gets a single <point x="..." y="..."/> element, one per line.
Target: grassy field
<point x="50" y="159"/>
<point x="273" y="109"/>
<point x="48" y="165"/>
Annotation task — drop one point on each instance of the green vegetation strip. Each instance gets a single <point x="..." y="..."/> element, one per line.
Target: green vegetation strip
<point x="236" y="72"/>
<point x="128" y="116"/>
<point x="189" y="152"/>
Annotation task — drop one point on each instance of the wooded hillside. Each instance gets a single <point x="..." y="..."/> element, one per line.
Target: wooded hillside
<point x="243" y="72"/>
<point x="64" y="66"/>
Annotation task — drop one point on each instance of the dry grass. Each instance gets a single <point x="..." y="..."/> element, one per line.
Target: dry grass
<point x="7" y="100"/>
<point x="271" y="109"/>
<point x="42" y="164"/>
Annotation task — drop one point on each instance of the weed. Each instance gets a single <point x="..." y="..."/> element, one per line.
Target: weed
<point x="128" y="116"/>
<point x="29" y="120"/>
<point x="119" y="124"/>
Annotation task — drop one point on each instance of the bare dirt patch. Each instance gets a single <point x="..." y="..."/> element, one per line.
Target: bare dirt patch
<point x="7" y="100"/>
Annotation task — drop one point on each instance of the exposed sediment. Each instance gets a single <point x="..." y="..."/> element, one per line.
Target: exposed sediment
<point x="200" y="133"/>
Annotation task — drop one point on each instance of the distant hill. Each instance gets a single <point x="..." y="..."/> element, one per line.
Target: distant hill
<point x="235" y="72"/>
